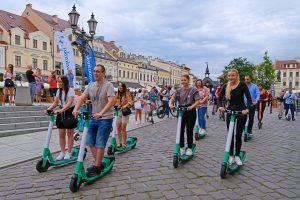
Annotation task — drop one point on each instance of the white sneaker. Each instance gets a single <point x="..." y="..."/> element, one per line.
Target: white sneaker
<point x="136" y="123"/>
<point x="231" y="160"/>
<point x="238" y="160"/>
<point x="203" y="132"/>
<point x="182" y="151"/>
<point x="60" y="156"/>
<point x="189" y="152"/>
<point x="67" y="155"/>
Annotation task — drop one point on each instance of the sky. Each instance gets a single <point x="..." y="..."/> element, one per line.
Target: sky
<point x="189" y="32"/>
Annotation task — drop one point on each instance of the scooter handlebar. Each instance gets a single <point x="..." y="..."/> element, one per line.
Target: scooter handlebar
<point x="50" y="112"/>
<point x="234" y="112"/>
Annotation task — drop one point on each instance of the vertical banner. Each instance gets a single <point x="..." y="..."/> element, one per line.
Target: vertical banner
<point x="66" y="53"/>
<point x="89" y="63"/>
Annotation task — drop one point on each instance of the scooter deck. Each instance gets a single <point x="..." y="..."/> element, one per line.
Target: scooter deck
<point x="234" y="167"/>
<point x="185" y="157"/>
<point x="130" y="144"/>
<point x="75" y="153"/>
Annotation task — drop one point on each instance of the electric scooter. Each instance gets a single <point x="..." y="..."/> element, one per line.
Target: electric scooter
<point x="130" y="143"/>
<point x="80" y="175"/>
<point x="226" y="167"/>
<point x="177" y="155"/>
<point x="198" y="134"/>
<point x="150" y="115"/>
<point x="47" y="159"/>
<point x="247" y="135"/>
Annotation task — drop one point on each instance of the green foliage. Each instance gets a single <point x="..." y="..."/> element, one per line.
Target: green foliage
<point x="266" y="72"/>
<point x="244" y="68"/>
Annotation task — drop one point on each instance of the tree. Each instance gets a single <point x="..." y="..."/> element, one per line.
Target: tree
<point x="266" y="72"/>
<point x="244" y="68"/>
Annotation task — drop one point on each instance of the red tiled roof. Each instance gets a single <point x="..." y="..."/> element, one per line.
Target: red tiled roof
<point x="280" y="64"/>
<point x="60" y="26"/>
<point x="110" y="46"/>
<point x="9" y="21"/>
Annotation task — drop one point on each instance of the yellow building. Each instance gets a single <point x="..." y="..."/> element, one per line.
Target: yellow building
<point x="127" y="69"/>
<point x="164" y="71"/>
<point x="21" y="43"/>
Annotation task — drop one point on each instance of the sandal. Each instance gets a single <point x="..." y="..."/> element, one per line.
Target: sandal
<point x="120" y="145"/>
<point x="124" y="145"/>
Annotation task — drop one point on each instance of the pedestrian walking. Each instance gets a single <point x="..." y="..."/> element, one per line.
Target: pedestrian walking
<point x="31" y="79"/>
<point x="138" y="107"/>
<point x="9" y="85"/>
<point x="52" y="79"/>
<point x="102" y="96"/>
<point x="39" y="86"/>
<point x="202" y="108"/>
<point x="64" y="119"/>
<point x="124" y="102"/>
<point x="188" y="97"/>
<point x="234" y="93"/>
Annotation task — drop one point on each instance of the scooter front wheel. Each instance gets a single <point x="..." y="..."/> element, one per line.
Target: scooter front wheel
<point x="175" y="161"/>
<point x="259" y="125"/>
<point x="39" y="166"/>
<point x="74" y="186"/>
<point x="223" y="171"/>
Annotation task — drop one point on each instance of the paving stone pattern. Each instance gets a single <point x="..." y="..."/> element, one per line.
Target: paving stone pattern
<point x="272" y="170"/>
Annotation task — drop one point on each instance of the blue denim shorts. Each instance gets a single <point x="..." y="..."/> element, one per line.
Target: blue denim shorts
<point x="98" y="132"/>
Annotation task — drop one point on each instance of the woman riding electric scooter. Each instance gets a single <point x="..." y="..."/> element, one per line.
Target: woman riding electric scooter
<point x="264" y="97"/>
<point x="188" y="97"/>
<point x="234" y="92"/>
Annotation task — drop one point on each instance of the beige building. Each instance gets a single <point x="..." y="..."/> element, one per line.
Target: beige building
<point x="176" y="72"/>
<point x="48" y="24"/>
<point x="289" y="71"/>
<point x="164" y="71"/>
<point x="21" y="43"/>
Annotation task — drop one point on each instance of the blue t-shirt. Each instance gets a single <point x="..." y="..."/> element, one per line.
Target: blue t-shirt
<point x="289" y="97"/>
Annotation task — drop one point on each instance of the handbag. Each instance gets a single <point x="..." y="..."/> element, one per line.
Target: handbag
<point x="126" y="111"/>
<point x="70" y="122"/>
<point x="9" y="83"/>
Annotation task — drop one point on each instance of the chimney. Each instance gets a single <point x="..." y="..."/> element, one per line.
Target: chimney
<point x="29" y="5"/>
<point x="55" y="18"/>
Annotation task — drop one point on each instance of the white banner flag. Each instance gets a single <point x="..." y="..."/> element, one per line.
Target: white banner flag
<point x="66" y="53"/>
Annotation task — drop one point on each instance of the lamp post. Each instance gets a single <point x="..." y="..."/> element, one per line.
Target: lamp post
<point x="81" y="38"/>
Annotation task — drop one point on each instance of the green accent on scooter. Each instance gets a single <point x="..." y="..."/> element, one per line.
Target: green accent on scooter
<point x="47" y="159"/>
<point x="247" y="135"/>
<point x="130" y="142"/>
<point x="80" y="176"/>
<point x="177" y="155"/>
<point x="225" y="166"/>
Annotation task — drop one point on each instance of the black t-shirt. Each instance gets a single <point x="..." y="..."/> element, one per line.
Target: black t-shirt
<point x="236" y="101"/>
<point x="29" y="76"/>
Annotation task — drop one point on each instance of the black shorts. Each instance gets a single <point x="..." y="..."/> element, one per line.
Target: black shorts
<point x="60" y="117"/>
<point x="53" y="92"/>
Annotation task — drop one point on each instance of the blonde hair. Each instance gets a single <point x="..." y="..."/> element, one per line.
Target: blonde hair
<point x="228" y="87"/>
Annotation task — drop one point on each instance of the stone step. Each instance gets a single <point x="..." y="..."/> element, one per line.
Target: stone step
<point x="21" y="108"/>
<point x="24" y="125"/>
<point x="21" y="114"/>
<point x="7" y="133"/>
<point x="10" y="120"/>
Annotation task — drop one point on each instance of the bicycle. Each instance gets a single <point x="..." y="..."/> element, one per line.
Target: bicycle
<point x="162" y="110"/>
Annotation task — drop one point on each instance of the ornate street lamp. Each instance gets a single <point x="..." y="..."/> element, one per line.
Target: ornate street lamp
<point x="81" y="38"/>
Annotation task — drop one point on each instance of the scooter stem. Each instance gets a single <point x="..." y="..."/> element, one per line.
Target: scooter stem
<point x="230" y="132"/>
<point x="49" y="133"/>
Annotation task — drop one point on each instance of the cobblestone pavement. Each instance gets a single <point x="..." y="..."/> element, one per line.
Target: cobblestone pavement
<point x="272" y="170"/>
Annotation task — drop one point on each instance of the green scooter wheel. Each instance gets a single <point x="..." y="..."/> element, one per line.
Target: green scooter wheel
<point x="223" y="171"/>
<point x="74" y="186"/>
<point x="175" y="161"/>
<point x="39" y="166"/>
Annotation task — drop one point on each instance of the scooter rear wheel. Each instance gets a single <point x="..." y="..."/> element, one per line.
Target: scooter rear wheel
<point x="259" y="125"/>
<point x="245" y="137"/>
<point x="196" y="136"/>
<point x="39" y="166"/>
<point x="73" y="183"/>
<point x="175" y="161"/>
<point x="223" y="171"/>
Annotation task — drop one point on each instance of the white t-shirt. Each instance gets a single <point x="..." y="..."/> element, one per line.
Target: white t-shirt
<point x="71" y="93"/>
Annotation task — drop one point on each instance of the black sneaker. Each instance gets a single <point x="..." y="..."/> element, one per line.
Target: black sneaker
<point x="293" y="119"/>
<point x="95" y="170"/>
<point x="250" y="132"/>
<point x="93" y="167"/>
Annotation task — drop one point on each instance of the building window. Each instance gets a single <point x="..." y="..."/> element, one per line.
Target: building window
<point x="34" y="63"/>
<point x="136" y="76"/>
<point x="34" y="43"/>
<point x="141" y="76"/>
<point x="45" y="64"/>
<point x="151" y="78"/>
<point x="291" y="74"/>
<point x="297" y="74"/>
<point x="131" y="75"/>
<point x="18" y="61"/>
<point x="123" y="74"/>
<point x="45" y="46"/>
<point x="120" y="73"/>
<point x="144" y="77"/>
<point x="284" y="74"/>
<point x="17" y="39"/>
<point x="127" y="74"/>
<point x="147" y="77"/>
<point x="290" y="84"/>
<point x="284" y="84"/>
<point x="70" y="37"/>
<point x="297" y="84"/>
